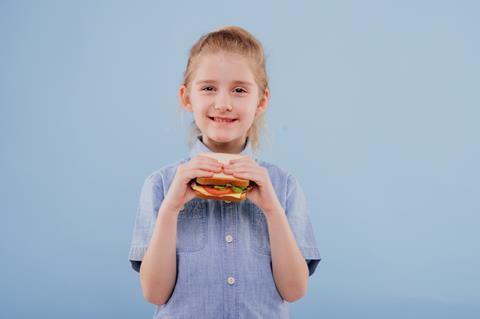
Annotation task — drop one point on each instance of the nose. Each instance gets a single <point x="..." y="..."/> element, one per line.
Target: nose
<point x="222" y="103"/>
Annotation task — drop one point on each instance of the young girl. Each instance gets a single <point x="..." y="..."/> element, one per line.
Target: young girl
<point x="202" y="258"/>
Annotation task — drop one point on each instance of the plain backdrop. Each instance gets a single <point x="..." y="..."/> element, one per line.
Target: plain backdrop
<point x="374" y="107"/>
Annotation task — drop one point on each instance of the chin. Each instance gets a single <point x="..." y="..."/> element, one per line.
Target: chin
<point x="221" y="139"/>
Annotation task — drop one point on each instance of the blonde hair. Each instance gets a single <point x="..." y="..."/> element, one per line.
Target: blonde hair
<point x="231" y="39"/>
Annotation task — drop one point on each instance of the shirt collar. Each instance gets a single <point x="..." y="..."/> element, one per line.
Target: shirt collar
<point x="198" y="147"/>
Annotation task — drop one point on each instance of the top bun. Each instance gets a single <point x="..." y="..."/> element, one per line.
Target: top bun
<point x="221" y="178"/>
<point x="223" y="157"/>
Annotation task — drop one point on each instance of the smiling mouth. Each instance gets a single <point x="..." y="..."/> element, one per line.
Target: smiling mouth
<point x="222" y="120"/>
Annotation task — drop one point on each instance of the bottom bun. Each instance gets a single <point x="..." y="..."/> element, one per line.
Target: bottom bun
<point x="225" y="197"/>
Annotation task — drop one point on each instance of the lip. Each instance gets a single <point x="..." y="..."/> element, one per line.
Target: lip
<point x="231" y="120"/>
<point x="222" y="117"/>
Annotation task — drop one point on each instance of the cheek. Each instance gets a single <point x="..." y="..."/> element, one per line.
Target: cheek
<point x="248" y="113"/>
<point x="200" y="108"/>
<point x="198" y="115"/>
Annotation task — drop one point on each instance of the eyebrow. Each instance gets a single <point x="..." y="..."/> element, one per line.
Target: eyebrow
<point x="233" y="82"/>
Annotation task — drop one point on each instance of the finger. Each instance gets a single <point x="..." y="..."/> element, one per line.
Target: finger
<point x="190" y="194"/>
<point x="205" y="159"/>
<point x="214" y="167"/>
<point x="238" y="168"/>
<point x="206" y="164"/>
<point x="244" y="159"/>
<point x="245" y="169"/>
<point x="194" y="173"/>
<point x="208" y="167"/>
<point x="251" y="174"/>
<point x="245" y="175"/>
<point x="192" y="170"/>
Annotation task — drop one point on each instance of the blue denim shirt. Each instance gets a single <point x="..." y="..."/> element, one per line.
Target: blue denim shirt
<point x="224" y="263"/>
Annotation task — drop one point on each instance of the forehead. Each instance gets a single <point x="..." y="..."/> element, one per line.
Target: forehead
<point x="223" y="68"/>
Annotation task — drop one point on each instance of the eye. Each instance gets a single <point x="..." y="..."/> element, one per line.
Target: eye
<point x="207" y="88"/>
<point x="240" y="90"/>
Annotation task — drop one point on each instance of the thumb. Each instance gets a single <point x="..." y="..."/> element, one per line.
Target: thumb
<point x="189" y="194"/>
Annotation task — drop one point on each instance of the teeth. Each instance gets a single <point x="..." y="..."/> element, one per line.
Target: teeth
<point x="222" y="120"/>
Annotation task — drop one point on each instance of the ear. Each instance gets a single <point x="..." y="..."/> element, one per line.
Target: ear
<point x="263" y="103"/>
<point x="184" y="98"/>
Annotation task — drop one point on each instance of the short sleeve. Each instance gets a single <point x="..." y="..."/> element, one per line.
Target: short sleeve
<point x="151" y="197"/>
<point x="298" y="217"/>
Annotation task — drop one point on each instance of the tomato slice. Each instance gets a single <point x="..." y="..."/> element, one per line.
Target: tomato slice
<point x="215" y="191"/>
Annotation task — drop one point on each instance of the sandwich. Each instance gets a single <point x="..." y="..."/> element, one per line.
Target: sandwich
<point x="221" y="186"/>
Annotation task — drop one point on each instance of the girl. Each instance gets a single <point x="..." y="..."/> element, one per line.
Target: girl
<point x="202" y="258"/>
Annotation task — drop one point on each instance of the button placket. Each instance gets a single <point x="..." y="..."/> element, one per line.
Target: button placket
<point x="230" y="272"/>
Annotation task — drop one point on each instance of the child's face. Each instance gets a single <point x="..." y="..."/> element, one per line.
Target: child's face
<point x="223" y="96"/>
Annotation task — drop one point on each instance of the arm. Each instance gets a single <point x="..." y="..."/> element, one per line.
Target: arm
<point x="159" y="266"/>
<point x="290" y="270"/>
<point x="158" y="270"/>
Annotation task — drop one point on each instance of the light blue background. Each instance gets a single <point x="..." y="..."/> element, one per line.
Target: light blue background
<point x="375" y="107"/>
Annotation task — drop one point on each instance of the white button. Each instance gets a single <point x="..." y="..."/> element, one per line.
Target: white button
<point x="231" y="280"/>
<point x="228" y="238"/>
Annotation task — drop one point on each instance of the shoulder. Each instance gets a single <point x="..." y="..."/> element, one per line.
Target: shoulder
<point x="283" y="181"/>
<point x="276" y="172"/>
<point x="163" y="176"/>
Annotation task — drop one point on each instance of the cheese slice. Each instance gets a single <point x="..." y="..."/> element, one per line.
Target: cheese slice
<point x="200" y="189"/>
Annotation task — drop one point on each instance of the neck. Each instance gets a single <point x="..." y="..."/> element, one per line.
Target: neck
<point x="233" y="147"/>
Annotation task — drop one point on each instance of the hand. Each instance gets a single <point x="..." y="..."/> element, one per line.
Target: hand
<point x="262" y="194"/>
<point x="180" y="191"/>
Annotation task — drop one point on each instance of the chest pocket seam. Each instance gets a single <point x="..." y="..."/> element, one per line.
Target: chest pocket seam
<point x="192" y="227"/>
<point x="259" y="241"/>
